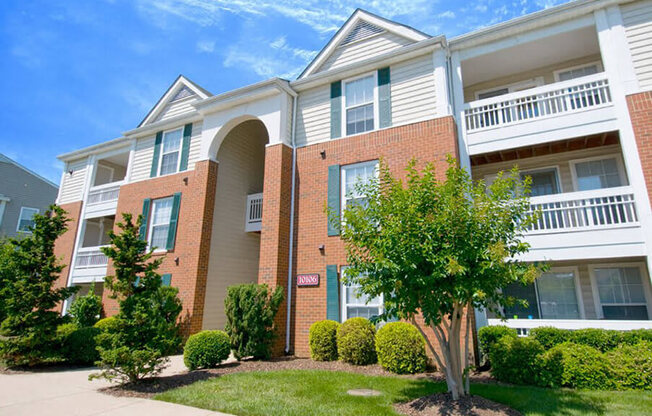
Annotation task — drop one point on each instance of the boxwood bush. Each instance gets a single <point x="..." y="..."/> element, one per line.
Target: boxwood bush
<point x="401" y="349"/>
<point x="323" y="340"/>
<point x="78" y="344"/>
<point x="600" y="339"/>
<point x="635" y="336"/>
<point x="513" y="360"/>
<point x="549" y="336"/>
<point x="631" y="366"/>
<point x="578" y="366"/>
<point x="488" y="336"/>
<point x="206" y="349"/>
<point x="355" y="341"/>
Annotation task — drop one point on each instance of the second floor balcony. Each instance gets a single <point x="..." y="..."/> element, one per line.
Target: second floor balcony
<point x="90" y="265"/>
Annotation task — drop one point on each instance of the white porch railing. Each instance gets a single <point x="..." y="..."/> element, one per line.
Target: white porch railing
<point x="585" y="210"/>
<point x="89" y="257"/>
<point x="523" y="326"/>
<point x="536" y="103"/>
<point x="254" y="216"/>
<point x="104" y="193"/>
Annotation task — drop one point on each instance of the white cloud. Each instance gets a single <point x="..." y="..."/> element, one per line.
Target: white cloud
<point x="206" y="46"/>
<point x="448" y="14"/>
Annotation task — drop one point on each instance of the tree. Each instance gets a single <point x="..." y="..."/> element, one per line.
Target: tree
<point x="28" y="271"/>
<point x="434" y="248"/>
<point x="145" y="329"/>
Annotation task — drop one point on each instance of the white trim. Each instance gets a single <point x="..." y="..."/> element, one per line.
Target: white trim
<point x="161" y="153"/>
<point x="3" y="204"/>
<point x="619" y="163"/>
<point x="374" y="75"/>
<point x="645" y="282"/>
<point x="20" y="217"/>
<point x="523" y="326"/>
<point x="167" y="97"/>
<point x="513" y="87"/>
<point x="598" y="65"/>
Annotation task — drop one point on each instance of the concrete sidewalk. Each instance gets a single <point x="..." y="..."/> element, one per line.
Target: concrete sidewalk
<point x="69" y="393"/>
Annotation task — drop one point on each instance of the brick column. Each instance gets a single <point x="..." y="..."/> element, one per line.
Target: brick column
<point x="274" y="240"/>
<point x="65" y="245"/>
<point x="640" y="112"/>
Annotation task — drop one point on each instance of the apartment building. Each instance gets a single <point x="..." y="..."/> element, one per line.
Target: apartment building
<point x="233" y="186"/>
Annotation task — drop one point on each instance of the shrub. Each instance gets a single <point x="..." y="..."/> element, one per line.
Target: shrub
<point x="576" y="365"/>
<point x="323" y="340"/>
<point x="488" y="336"/>
<point x="401" y="348"/>
<point x="250" y="311"/>
<point x="78" y="344"/>
<point x="106" y="324"/>
<point x="355" y="342"/>
<point x="206" y="349"/>
<point x="635" y="336"/>
<point x="513" y="360"/>
<point x="85" y="310"/>
<point x="549" y="336"/>
<point x="631" y="366"/>
<point x="600" y="339"/>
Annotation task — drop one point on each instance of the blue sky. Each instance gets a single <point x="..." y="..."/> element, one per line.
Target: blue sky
<point x="78" y="72"/>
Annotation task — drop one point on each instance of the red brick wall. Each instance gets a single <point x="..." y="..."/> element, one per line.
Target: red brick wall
<point x="640" y="112"/>
<point x="193" y="237"/>
<point x="65" y="245"/>
<point x="428" y="141"/>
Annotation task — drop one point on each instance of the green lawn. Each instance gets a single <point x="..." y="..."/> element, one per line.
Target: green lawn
<point x="302" y="392"/>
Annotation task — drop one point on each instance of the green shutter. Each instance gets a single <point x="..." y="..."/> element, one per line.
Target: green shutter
<point x="174" y="217"/>
<point x="157" y="152"/>
<point x="166" y="279"/>
<point x="384" y="99"/>
<point x="142" y="232"/>
<point x="336" y="109"/>
<point x="333" y="197"/>
<point x="185" y="147"/>
<point x="332" y="293"/>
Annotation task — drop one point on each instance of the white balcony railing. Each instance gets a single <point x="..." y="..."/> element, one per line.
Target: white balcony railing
<point x="585" y="210"/>
<point x="103" y="193"/>
<point x="254" y="216"/>
<point x="90" y="257"/>
<point x="537" y="103"/>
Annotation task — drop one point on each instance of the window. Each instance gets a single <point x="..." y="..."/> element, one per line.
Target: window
<point x="558" y="296"/>
<point x="25" y="220"/>
<point x="359" y="105"/>
<point x="353" y="175"/>
<point x="577" y="72"/>
<point x="598" y="174"/>
<point x="544" y="181"/>
<point x="355" y="304"/>
<point x="160" y="222"/>
<point x="170" y="152"/>
<point x="620" y="292"/>
<point x="492" y="93"/>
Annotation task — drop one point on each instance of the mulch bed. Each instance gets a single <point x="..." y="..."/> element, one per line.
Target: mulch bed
<point x="149" y="387"/>
<point x="442" y="405"/>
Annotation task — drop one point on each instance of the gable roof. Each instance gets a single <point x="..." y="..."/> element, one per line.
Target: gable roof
<point x="5" y="159"/>
<point x="360" y="25"/>
<point x="182" y="87"/>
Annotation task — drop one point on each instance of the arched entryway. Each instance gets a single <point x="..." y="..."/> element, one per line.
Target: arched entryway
<point x="235" y="244"/>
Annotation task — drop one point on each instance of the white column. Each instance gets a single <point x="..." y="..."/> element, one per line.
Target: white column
<point x="457" y="87"/>
<point x="440" y="64"/>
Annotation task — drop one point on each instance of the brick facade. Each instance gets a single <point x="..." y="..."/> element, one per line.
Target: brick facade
<point x="188" y="261"/>
<point x="640" y="112"/>
<point x="428" y="141"/>
<point x="65" y="245"/>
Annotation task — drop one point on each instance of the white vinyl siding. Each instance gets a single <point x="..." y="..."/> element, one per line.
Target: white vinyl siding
<point x="637" y="19"/>
<point x="363" y="50"/>
<point x="177" y="108"/>
<point x="413" y="94"/>
<point x="313" y="116"/>
<point x="142" y="163"/>
<point x="72" y="186"/>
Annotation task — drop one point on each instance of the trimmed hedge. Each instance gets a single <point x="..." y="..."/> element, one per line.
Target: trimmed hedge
<point x="488" y="336"/>
<point x="323" y="340"/>
<point x="576" y="365"/>
<point x="600" y="339"/>
<point x="105" y="324"/>
<point x="206" y="349"/>
<point x="549" y="336"/>
<point x="356" y="343"/>
<point x="513" y="360"/>
<point x="401" y="349"/>
<point x="631" y="366"/>
<point x="78" y="344"/>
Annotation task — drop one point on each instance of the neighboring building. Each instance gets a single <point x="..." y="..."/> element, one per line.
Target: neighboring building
<point x="23" y="193"/>
<point x="564" y="93"/>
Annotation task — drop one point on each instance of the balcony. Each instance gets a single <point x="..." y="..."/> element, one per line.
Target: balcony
<point x="90" y="265"/>
<point x="599" y="223"/>
<point x="102" y="200"/>
<point x="577" y="107"/>
<point x="254" y="218"/>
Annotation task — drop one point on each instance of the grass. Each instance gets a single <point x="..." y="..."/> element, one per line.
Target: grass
<point x="314" y="392"/>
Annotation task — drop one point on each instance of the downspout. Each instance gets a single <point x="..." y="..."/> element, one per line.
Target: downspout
<point x="291" y="239"/>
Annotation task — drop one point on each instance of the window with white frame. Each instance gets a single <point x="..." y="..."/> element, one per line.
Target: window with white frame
<point x="26" y="219"/>
<point x="577" y="72"/>
<point x="352" y="177"/>
<point x="359" y="105"/>
<point x="598" y="174"/>
<point x="356" y="304"/>
<point x="621" y="293"/>
<point x="558" y="295"/>
<point x="170" y="152"/>
<point x="544" y="181"/>
<point x="160" y="222"/>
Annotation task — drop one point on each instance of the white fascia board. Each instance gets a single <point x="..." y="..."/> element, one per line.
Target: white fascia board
<point x="93" y="149"/>
<point x="163" y="124"/>
<point x="397" y="55"/>
<point x="530" y="21"/>
<point x="356" y="17"/>
<point x="244" y="95"/>
<point x="162" y="102"/>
